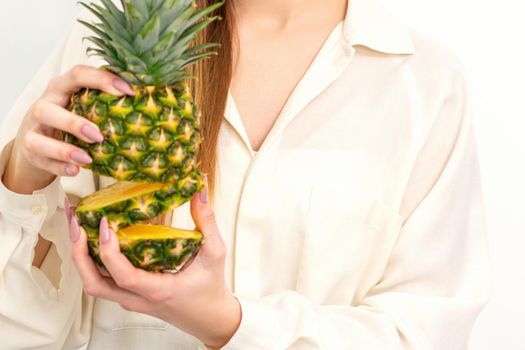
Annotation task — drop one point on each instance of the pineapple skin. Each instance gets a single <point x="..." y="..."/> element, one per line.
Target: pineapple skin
<point x="160" y="255"/>
<point x="151" y="254"/>
<point x="155" y="255"/>
<point x="123" y="210"/>
<point x="153" y="136"/>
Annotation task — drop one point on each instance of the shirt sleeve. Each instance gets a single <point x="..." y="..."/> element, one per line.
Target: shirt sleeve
<point x="45" y="307"/>
<point x="426" y="298"/>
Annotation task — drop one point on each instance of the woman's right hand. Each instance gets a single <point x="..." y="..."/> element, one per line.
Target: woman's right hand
<point x="39" y="154"/>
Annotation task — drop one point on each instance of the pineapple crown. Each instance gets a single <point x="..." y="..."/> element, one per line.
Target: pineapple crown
<point x="149" y="42"/>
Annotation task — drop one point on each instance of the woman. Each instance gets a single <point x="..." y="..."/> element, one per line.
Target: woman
<point x="346" y="198"/>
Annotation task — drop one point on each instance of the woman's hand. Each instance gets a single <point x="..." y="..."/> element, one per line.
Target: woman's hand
<point x="196" y="300"/>
<point x="38" y="153"/>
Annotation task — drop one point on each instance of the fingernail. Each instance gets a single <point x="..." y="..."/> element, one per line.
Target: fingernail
<point x="80" y="157"/>
<point x="67" y="209"/>
<point x="71" y="170"/>
<point x="203" y="194"/>
<point x="123" y="86"/>
<point x="92" y="133"/>
<point x="104" y="231"/>
<point x="74" y="230"/>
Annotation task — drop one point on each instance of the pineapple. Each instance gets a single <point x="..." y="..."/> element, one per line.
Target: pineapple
<point x="144" y="140"/>
<point x="126" y="205"/>
<point x="151" y="139"/>
<point x="159" y="248"/>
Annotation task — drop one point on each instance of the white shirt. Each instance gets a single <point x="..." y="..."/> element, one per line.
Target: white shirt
<point x="358" y="224"/>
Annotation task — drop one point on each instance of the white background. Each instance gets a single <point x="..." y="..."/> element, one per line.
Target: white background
<point x="489" y="37"/>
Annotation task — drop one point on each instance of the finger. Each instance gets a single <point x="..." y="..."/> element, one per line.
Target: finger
<point x="126" y="276"/>
<point x="53" y="166"/>
<point x="69" y="210"/>
<point x="47" y="147"/>
<point x="61" y="88"/>
<point x="94" y="283"/>
<point x="56" y="117"/>
<point x="204" y="219"/>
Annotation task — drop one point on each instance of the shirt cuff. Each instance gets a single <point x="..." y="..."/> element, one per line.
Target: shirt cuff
<point x="29" y="211"/>
<point x="257" y="328"/>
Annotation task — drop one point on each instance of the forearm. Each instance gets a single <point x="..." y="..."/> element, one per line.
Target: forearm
<point x="20" y="177"/>
<point x="399" y="321"/>
<point x="220" y="333"/>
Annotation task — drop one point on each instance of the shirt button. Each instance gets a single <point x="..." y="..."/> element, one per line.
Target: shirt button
<point x="37" y="210"/>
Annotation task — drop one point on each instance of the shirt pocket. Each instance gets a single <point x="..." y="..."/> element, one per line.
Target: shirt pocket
<point x="347" y="243"/>
<point x="110" y="316"/>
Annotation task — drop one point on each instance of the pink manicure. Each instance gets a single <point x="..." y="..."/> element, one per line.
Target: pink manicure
<point x="67" y="209"/>
<point x="104" y="231"/>
<point x="92" y="133"/>
<point x="203" y="194"/>
<point x="71" y="170"/>
<point x="74" y="230"/>
<point x="80" y="157"/>
<point x="123" y="86"/>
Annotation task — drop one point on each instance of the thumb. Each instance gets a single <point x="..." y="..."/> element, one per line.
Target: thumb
<point x="205" y="222"/>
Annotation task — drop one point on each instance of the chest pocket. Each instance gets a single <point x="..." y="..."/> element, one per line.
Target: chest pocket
<point x="346" y="246"/>
<point x="110" y="316"/>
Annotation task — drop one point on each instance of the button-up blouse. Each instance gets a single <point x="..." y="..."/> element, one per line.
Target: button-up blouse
<point x="357" y="225"/>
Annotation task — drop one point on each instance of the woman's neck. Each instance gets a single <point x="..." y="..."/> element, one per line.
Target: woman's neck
<point x="283" y="13"/>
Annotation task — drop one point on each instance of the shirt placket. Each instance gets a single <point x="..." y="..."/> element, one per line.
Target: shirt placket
<point x="256" y="194"/>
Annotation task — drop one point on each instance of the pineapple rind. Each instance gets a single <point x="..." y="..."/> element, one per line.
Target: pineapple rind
<point x="145" y="206"/>
<point x="128" y="213"/>
<point x="145" y="251"/>
<point x="147" y="138"/>
<point x="158" y="254"/>
<point x="144" y="140"/>
<point x="153" y="136"/>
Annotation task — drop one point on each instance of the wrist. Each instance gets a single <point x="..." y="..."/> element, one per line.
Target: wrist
<point x="21" y="177"/>
<point x="230" y="315"/>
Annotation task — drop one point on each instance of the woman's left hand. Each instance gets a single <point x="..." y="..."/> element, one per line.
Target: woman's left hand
<point x="195" y="300"/>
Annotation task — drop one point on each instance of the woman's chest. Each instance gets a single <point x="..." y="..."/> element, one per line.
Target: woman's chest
<point x="316" y="210"/>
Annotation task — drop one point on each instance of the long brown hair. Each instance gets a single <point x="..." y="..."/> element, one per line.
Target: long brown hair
<point x="210" y="89"/>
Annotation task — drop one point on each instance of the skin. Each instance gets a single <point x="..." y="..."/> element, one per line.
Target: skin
<point x="279" y="40"/>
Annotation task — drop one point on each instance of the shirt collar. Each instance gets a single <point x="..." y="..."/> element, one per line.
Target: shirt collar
<point x="370" y="23"/>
